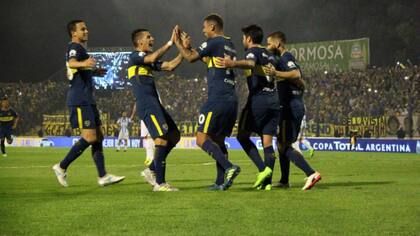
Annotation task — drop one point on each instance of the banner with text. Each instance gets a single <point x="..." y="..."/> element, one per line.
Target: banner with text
<point x="339" y="55"/>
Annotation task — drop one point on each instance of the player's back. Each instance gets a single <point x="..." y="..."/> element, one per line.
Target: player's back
<point x="288" y="62"/>
<point x="220" y="81"/>
<point x="81" y="87"/>
<point x="142" y="79"/>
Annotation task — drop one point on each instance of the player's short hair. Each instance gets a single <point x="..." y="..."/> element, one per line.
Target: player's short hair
<point x="216" y="20"/>
<point x="278" y="35"/>
<point x="255" y="32"/>
<point x="136" y="34"/>
<point x="71" y="26"/>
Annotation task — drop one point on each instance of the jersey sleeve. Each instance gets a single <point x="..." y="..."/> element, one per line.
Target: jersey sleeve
<point x="205" y="49"/>
<point x="137" y="58"/>
<point x="251" y="55"/>
<point x="74" y="51"/>
<point x="290" y="63"/>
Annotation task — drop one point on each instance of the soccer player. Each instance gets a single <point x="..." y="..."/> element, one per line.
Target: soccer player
<point x="8" y="122"/>
<point x="123" y="135"/>
<point x="302" y="139"/>
<point x="218" y="114"/>
<point x="142" y="62"/>
<point x="83" y="112"/>
<point x="262" y="110"/>
<point x="290" y="94"/>
<point x="148" y="173"/>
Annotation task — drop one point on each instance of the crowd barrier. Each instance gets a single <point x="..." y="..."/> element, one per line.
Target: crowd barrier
<point x="321" y="144"/>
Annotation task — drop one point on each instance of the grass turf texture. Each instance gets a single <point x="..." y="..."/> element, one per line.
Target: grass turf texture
<point x="360" y="194"/>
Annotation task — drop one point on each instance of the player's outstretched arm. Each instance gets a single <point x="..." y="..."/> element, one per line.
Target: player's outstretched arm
<point x="227" y="62"/>
<point x="172" y="64"/>
<point x="191" y="55"/>
<point x="88" y="63"/>
<point x="133" y="113"/>
<point x="153" y="57"/>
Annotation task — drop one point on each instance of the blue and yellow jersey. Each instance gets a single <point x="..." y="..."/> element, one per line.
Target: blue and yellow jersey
<point x="258" y="82"/>
<point x="141" y="77"/>
<point x="81" y="88"/>
<point x="286" y="89"/>
<point x="7" y="118"/>
<point x="220" y="81"/>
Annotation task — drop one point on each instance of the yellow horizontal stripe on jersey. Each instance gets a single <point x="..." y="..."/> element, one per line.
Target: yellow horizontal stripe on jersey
<point x="212" y="63"/>
<point x="157" y="125"/>
<point x="143" y="70"/>
<point x="79" y="117"/>
<point x="6" y="118"/>
<point x="206" y="125"/>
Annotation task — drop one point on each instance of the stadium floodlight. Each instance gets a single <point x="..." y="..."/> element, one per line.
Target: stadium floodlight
<point x="369" y="90"/>
<point x="326" y="72"/>
<point x="406" y="77"/>
<point x="376" y="91"/>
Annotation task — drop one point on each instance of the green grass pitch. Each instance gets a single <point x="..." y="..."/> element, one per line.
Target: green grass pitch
<point x="360" y="194"/>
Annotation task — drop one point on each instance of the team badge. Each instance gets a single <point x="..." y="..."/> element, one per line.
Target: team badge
<point x="87" y="123"/>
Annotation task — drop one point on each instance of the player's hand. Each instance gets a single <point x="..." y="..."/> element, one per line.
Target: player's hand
<point x="269" y="70"/>
<point x="90" y="62"/>
<point x="186" y="40"/>
<point x="224" y="62"/>
<point x="100" y="72"/>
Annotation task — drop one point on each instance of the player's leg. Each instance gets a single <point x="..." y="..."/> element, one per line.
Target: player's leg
<point x="125" y="144"/>
<point x="76" y="121"/>
<point x="98" y="153"/>
<point x="298" y="111"/>
<point x="246" y="125"/>
<point x="3" y="147"/>
<point x="269" y="160"/>
<point x="309" y="146"/>
<point x="295" y="145"/>
<point x="150" y="149"/>
<point x="118" y="143"/>
<point x="250" y="149"/>
<point x="220" y="172"/>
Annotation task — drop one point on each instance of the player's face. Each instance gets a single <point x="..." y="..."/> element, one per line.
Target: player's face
<point x="124" y="114"/>
<point x="4" y="104"/>
<point x="207" y="29"/>
<point x="272" y="44"/>
<point x="246" y="40"/>
<point x="81" y="33"/>
<point x="146" y="42"/>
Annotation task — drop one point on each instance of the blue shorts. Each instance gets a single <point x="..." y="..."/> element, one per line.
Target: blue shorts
<point x="260" y="120"/>
<point x="291" y="119"/>
<point x="84" y="117"/>
<point x="218" y="118"/>
<point x="6" y="132"/>
<point x="157" y="120"/>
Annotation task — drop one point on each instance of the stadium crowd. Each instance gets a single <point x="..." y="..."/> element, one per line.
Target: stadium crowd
<point x="331" y="96"/>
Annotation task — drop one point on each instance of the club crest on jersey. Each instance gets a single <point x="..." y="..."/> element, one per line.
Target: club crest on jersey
<point x="142" y="54"/>
<point x="291" y="64"/>
<point x="203" y="45"/>
<point x="250" y="56"/>
<point x="87" y="122"/>
<point x="165" y="126"/>
<point x="72" y="53"/>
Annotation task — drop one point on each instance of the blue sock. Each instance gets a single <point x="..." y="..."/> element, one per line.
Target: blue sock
<point x="252" y="152"/>
<point x="3" y="147"/>
<point x="214" y="151"/>
<point x="160" y="163"/>
<point x="270" y="160"/>
<point x="98" y="158"/>
<point x="299" y="161"/>
<point x="284" y="168"/>
<point x="78" y="148"/>
<point x="220" y="176"/>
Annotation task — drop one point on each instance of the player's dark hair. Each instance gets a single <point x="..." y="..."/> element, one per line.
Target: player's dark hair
<point x="135" y="34"/>
<point x="255" y="32"/>
<point x="71" y="26"/>
<point x="216" y="20"/>
<point x="278" y="35"/>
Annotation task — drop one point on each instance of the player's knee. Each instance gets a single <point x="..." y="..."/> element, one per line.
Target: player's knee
<point x="200" y="139"/>
<point x="160" y="141"/>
